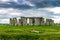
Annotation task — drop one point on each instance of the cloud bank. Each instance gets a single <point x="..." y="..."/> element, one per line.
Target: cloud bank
<point x="31" y="8"/>
<point x="6" y="13"/>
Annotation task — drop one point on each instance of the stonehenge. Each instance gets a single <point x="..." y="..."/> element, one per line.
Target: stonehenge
<point x="23" y="21"/>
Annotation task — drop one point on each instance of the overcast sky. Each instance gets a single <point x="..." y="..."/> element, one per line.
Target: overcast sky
<point x="30" y="8"/>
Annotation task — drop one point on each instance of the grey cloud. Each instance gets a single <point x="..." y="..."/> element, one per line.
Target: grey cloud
<point x="31" y="12"/>
<point x="40" y="12"/>
<point x="24" y="4"/>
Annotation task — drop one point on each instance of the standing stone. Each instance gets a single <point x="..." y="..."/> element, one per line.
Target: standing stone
<point x="52" y="22"/>
<point x="11" y="22"/>
<point x="41" y="21"/>
<point x="15" y="21"/>
<point x="27" y="21"/>
<point x="23" y="21"/>
<point x="49" y="22"/>
<point x="30" y="21"/>
<point x="37" y="21"/>
<point x="19" y="23"/>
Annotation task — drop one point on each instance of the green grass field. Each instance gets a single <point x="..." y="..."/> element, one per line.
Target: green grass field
<point x="8" y="32"/>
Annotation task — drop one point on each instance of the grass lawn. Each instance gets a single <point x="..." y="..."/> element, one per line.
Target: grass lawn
<point x="8" y="32"/>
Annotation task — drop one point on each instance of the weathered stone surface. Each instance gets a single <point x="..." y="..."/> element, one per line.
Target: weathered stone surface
<point x="37" y="21"/>
<point x="49" y="22"/>
<point x="13" y="21"/>
<point x="19" y="22"/>
<point x="32" y="21"/>
<point x="41" y="21"/>
<point x="23" y="21"/>
<point x="35" y="31"/>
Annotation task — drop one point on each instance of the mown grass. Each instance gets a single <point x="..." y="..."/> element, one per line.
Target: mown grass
<point x="8" y="32"/>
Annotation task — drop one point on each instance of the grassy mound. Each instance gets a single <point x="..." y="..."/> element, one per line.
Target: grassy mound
<point x="8" y="32"/>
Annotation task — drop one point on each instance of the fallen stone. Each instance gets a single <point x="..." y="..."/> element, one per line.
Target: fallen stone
<point x="35" y="31"/>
